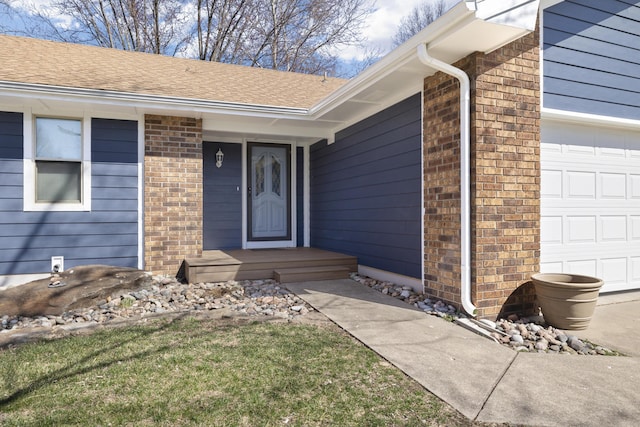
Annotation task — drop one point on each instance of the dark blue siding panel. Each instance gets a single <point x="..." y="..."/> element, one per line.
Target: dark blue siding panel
<point x="366" y="190"/>
<point x="114" y="141"/>
<point x="106" y="235"/>
<point x="222" y="197"/>
<point x="591" y="59"/>
<point x="10" y="136"/>
<point x="300" y="196"/>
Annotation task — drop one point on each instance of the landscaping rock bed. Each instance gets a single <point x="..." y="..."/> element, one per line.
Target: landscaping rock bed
<point x="165" y="295"/>
<point x="159" y="295"/>
<point x="527" y="334"/>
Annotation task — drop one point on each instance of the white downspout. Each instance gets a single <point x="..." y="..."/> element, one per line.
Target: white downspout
<point x="465" y="202"/>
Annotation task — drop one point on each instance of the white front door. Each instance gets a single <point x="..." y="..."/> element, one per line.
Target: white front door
<point x="590" y="203"/>
<point x="269" y="192"/>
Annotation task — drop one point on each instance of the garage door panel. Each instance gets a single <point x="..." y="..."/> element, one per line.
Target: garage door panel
<point x="613" y="185"/>
<point x="613" y="228"/>
<point x="590" y="203"/>
<point x="618" y="271"/>
<point x="551" y="230"/>
<point x="634" y="186"/>
<point x="635" y="227"/>
<point x="551" y="186"/>
<point x="578" y="228"/>
<point x="581" y="185"/>
<point x="635" y="268"/>
<point x="614" y="271"/>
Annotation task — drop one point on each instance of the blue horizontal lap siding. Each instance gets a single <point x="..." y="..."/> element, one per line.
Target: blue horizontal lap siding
<point x="106" y="235"/>
<point x="366" y="190"/>
<point x="222" y="198"/>
<point x="10" y="137"/>
<point x="591" y="59"/>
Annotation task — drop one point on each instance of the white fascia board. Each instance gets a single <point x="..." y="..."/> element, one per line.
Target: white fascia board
<point x="589" y="119"/>
<point x="145" y="101"/>
<point x="312" y="129"/>
<point x="273" y="119"/>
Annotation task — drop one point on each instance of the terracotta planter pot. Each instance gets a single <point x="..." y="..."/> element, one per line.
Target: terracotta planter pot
<point x="567" y="300"/>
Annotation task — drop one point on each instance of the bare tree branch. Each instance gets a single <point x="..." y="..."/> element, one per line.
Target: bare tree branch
<point x="420" y="16"/>
<point x="141" y="25"/>
<point x="289" y="35"/>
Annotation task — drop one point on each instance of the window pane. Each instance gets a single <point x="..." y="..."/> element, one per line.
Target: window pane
<point x="58" y="181"/>
<point x="58" y="139"/>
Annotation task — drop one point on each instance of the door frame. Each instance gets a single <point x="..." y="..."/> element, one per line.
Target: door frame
<point x="290" y="240"/>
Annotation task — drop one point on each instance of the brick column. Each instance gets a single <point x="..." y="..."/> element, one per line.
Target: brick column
<point x="173" y="192"/>
<point x="441" y="153"/>
<point x="506" y="173"/>
<point x="505" y="177"/>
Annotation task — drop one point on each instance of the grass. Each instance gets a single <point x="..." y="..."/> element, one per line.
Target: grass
<point x="201" y="372"/>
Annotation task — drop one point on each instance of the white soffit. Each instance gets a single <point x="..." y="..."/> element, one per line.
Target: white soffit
<point x="514" y="13"/>
<point x="470" y="26"/>
<point x="479" y="36"/>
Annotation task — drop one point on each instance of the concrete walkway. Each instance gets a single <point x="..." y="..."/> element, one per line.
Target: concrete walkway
<point x="489" y="382"/>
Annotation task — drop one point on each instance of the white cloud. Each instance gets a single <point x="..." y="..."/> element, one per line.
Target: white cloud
<point x="378" y="32"/>
<point x="381" y="27"/>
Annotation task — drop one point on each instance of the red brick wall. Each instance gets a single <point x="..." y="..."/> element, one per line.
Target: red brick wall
<point x="505" y="176"/>
<point x="173" y="192"/>
<point x="441" y="152"/>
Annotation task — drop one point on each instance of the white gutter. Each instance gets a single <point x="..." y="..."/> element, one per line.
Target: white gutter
<point x="465" y="200"/>
<point x="152" y="101"/>
<point x="459" y="15"/>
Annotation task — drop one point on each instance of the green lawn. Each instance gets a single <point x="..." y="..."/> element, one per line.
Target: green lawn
<point x="201" y="372"/>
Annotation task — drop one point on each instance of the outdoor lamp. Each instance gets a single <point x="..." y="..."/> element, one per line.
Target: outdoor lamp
<point x="219" y="158"/>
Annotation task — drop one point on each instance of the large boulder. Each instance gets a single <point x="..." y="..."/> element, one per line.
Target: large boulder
<point x="76" y="287"/>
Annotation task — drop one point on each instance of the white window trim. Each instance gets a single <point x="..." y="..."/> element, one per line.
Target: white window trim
<point x="29" y="193"/>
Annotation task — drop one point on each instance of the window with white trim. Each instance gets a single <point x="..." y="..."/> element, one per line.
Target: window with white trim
<point x="57" y="173"/>
<point x="58" y="160"/>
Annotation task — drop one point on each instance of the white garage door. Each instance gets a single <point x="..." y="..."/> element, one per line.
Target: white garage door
<point x="590" y="203"/>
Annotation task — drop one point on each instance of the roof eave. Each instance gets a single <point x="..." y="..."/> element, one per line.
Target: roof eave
<point x="499" y="22"/>
<point x="147" y="101"/>
<point x="394" y="60"/>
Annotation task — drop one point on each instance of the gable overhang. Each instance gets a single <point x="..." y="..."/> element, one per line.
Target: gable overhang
<point x="225" y="117"/>
<point x="470" y="26"/>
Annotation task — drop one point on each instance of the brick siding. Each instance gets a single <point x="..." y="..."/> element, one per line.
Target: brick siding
<point x="173" y="192"/>
<point x="505" y="177"/>
<point x="441" y="153"/>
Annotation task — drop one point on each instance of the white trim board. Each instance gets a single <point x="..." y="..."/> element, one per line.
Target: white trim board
<point x="388" y="276"/>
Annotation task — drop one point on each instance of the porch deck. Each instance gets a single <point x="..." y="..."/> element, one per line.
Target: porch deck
<point x="285" y="265"/>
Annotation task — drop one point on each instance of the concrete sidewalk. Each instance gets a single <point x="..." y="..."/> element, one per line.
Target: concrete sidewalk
<point x="486" y="381"/>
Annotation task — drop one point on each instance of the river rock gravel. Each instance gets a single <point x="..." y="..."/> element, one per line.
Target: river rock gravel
<point x="265" y="298"/>
<point x="525" y="334"/>
<point x="270" y="299"/>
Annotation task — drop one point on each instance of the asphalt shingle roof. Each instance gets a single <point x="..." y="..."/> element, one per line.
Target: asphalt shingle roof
<point x="29" y="60"/>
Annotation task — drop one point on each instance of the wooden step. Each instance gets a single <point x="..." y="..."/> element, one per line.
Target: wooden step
<point x="307" y="274"/>
<point x="251" y="264"/>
